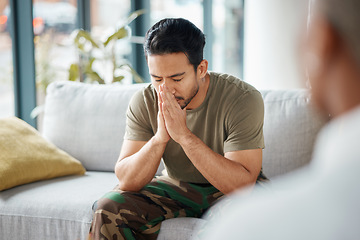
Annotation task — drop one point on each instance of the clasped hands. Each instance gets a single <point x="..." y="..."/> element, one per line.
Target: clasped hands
<point x="171" y="118"/>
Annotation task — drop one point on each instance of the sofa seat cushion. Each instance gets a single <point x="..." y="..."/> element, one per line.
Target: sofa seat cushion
<point x="59" y="208"/>
<point x="180" y="228"/>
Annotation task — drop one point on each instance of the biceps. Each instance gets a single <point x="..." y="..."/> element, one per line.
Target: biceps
<point x="130" y="147"/>
<point x="250" y="159"/>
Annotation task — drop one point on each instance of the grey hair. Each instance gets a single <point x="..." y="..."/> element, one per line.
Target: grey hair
<point x="344" y="15"/>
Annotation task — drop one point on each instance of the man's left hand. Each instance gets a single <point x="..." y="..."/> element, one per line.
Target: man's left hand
<point x="174" y="116"/>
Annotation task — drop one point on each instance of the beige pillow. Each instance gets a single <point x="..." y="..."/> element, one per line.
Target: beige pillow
<point x="25" y="156"/>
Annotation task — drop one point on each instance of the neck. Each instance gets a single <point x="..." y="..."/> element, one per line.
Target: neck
<point x="201" y="95"/>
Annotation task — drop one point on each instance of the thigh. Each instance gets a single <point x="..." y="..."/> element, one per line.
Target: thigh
<point x="142" y="212"/>
<point x="181" y="199"/>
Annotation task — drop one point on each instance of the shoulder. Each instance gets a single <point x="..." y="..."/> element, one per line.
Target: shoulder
<point x="234" y="92"/>
<point x="144" y="96"/>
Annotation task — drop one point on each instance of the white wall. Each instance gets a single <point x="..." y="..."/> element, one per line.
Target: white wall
<point x="272" y="38"/>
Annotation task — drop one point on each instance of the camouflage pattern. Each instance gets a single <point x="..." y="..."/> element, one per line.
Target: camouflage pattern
<point x="138" y="215"/>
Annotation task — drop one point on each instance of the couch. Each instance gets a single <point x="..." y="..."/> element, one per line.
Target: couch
<point x="88" y="121"/>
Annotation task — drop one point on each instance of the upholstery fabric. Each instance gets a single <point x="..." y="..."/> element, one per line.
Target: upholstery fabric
<point x="180" y="228"/>
<point x="290" y="130"/>
<point x="88" y="121"/>
<point x="25" y="156"/>
<point x="53" y="209"/>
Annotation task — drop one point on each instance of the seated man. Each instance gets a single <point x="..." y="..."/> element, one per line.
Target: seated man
<point x="321" y="201"/>
<point x="206" y="126"/>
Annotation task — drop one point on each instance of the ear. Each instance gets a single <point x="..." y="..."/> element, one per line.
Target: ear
<point x="202" y="69"/>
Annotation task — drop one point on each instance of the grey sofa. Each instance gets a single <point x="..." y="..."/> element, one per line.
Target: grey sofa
<point x="88" y="122"/>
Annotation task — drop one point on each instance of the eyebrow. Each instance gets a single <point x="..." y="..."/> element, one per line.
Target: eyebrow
<point x="172" y="76"/>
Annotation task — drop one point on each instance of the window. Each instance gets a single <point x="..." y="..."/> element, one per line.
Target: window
<point x="53" y="22"/>
<point x="107" y="16"/>
<point x="224" y="36"/>
<point x="191" y="10"/>
<point x="7" y="107"/>
<point x="227" y="27"/>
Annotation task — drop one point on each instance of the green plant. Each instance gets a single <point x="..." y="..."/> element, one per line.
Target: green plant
<point x="93" y="51"/>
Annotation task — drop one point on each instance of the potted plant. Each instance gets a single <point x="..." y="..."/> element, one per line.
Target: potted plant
<point x="94" y="51"/>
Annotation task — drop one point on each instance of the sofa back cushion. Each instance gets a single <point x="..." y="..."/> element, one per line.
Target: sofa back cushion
<point x="290" y="129"/>
<point x="88" y="121"/>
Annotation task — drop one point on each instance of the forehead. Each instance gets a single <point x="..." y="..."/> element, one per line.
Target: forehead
<point x="168" y="64"/>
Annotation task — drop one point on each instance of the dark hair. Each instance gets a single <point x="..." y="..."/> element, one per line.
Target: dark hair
<point x="174" y="35"/>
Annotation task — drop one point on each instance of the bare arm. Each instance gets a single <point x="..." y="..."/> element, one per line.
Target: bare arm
<point x="226" y="173"/>
<point x="138" y="163"/>
<point x="139" y="160"/>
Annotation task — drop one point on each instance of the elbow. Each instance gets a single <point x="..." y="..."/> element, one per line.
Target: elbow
<point x="128" y="186"/>
<point x="244" y="183"/>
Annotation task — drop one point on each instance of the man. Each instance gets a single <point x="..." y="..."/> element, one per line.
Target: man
<point x="206" y="126"/>
<point x="322" y="201"/>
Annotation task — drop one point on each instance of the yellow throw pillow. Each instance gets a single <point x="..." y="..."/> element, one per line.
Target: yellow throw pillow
<point x="25" y="156"/>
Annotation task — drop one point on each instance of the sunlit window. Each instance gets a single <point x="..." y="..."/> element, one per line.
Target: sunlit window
<point x="227" y="26"/>
<point x="107" y="16"/>
<point x="6" y="75"/>
<point x="191" y="10"/>
<point x="53" y="22"/>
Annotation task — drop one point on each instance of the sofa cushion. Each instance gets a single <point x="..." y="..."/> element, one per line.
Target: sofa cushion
<point x="290" y="129"/>
<point x="88" y="121"/>
<point x="27" y="157"/>
<point x="53" y="209"/>
<point x="180" y="228"/>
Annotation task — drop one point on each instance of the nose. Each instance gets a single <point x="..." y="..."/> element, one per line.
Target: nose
<point x="170" y="85"/>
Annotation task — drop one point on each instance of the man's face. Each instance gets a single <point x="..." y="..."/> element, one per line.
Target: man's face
<point x="175" y="71"/>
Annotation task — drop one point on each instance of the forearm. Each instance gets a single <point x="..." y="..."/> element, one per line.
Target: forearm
<point x="135" y="171"/>
<point x="223" y="173"/>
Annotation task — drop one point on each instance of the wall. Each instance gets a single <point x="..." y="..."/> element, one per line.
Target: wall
<point x="271" y="43"/>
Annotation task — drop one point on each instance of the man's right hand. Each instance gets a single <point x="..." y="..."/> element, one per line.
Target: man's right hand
<point x="162" y="134"/>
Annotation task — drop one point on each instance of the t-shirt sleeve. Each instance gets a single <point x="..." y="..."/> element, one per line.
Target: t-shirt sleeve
<point x="138" y="125"/>
<point x="244" y="124"/>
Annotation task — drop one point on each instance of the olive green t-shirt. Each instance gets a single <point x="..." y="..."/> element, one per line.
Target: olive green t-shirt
<point x="230" y="119"/>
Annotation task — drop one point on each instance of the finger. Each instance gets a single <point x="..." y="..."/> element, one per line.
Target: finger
<point x="170" y="98"/>
<point x="166" y="112"/>
<point x="160" y="100"/>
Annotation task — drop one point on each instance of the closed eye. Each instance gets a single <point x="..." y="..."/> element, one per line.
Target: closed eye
<point x="177" y="80"/>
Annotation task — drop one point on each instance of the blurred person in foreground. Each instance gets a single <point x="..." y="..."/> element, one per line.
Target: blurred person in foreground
<point x="321" y="201"/>
<point x="207" y="127"/>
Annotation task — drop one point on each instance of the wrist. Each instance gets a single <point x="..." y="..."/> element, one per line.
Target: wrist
<point x="158" y="140"/>
<point x="186" y="138"/>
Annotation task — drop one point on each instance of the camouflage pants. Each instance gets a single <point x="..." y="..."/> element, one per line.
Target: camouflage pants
<point x="138" y="215"/>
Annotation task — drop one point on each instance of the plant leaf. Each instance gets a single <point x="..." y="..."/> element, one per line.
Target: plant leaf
<point x="134" y="15"/>
<point x="74" y="72"/>
<point x="88" y="67"/>
<point x="86" y="35"/>
<point x="94" y="77"/>
<point x="118" y="79"/>
<point x="136" y="76"/>
<point x="119" y="34"/>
